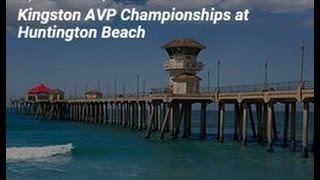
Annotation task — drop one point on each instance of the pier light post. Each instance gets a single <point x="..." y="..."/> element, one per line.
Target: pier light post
<point x="208" y="81"/>
<point x="75" y="92"/>
<point x="138" y="85"/>
<point x="266" y="65"/>
<point x="123" y="89"/>
<point x="302" y="64"/>
<point x="144" y="87"/>
<point x="218" y="76"/>
<point x="115" y="87"/>
<point x="108" y="88"/>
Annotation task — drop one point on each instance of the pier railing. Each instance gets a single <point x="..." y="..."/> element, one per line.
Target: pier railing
<point x="261" y="87"/>
<point x="278" y="86"/>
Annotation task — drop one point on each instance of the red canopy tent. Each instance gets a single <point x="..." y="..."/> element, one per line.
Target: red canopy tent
<point x="41" y="89"/>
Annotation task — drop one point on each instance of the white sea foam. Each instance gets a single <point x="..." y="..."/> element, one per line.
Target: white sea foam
<point x="23" y="153"/>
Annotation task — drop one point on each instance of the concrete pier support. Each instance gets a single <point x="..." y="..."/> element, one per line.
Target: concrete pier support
<point x="203" y="128"/>
<point x="165" y="121"/>
<point x="187" y="120"/>
<point x="269" y="127"/>
<point x="74" y="116"/>
<point x="105" y="112"/>
<point x="123" y="115"/>
<point x="159" y="118"/>
<point x="240" y="122"/>
<point x="112" y="113"/>
<point x="131" y="116"/>
<point x="144" y="110"/>
<point x="116" y="114"/>
<point x="84" y="112"/>
<point x="172" y="119"/>
<point x="264" y="123"/>
<point x="99" y="113"/>
<point x="87" y="112"/>
<point x="274" y="123"/>
<point x="189" y="123"/>
<point x="82" y="118"/>
<point x="293" y="128"/>
<point x="73" y="111"/>
<point x="128" y="115"/>
<point x="218" y="122"/>
<point x="285" y="126"/>
<point x="150" y="120"/>
<point x="175" y="119"/>
<point x="78" y="111"/>
<point x="259" y="118"/>
<point x="139" y="106"/>
<point x="305" y="124"/>
<point x="95" y="116"/>
<point x="244" y="123"/>
<point x="221" y="119"/>
<point x="180" y="116"/>
<point x="155" y="124"/>
<point x="254" y="134"/>
<point x="70" y="111"/>
<point x="92" y="112"/>
<point x="236" y="122"/>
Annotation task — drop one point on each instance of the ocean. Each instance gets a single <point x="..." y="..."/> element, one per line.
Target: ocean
<point x="61" y="149"/>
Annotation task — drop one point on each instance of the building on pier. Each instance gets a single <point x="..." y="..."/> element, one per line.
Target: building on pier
<point x="56" y="94"/>
<point x="40" y="92"/>
<point x="183" y="66"/>
<point x="93" y="94"/>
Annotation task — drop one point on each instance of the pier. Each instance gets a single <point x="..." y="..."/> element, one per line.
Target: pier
<point x="163" y="113"/>
<point x="168" y="111"/>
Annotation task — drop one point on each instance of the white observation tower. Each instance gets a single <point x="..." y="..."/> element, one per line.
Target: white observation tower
<point x="183" y="66"/>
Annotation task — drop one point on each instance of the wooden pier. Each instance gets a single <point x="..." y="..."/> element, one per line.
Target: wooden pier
<point x="166" y="113"/>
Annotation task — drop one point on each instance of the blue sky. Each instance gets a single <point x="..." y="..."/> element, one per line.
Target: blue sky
<point x="275" y="32"/>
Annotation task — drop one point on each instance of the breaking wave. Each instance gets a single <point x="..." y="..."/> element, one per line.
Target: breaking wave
<point x="23" y="153"/>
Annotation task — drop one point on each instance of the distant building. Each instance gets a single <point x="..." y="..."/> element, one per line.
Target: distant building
<point x="93" y="95"/>
<point x="56" y="94"/>
<point x="183" y="66"/>
<point x="40" y="92"/>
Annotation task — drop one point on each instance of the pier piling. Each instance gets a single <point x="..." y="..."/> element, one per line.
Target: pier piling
<point x="203" y="121"/>
<point x="269" y="127"/>
<point x="222" y="119"/>
<point x="244" y="123"/>
<point x="293" y="127"/>
<point x="305" y="129"/>
<point x="286" y="125"/>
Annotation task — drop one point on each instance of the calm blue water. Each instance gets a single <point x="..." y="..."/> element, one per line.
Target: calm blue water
<point x="104" y="152"/>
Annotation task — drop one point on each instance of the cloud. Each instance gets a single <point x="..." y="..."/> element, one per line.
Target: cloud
<point x="181" y="4"/>
<point x="264" y="5"/>
<point x="84" y="5"/>
<point x="274" y="6"/>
